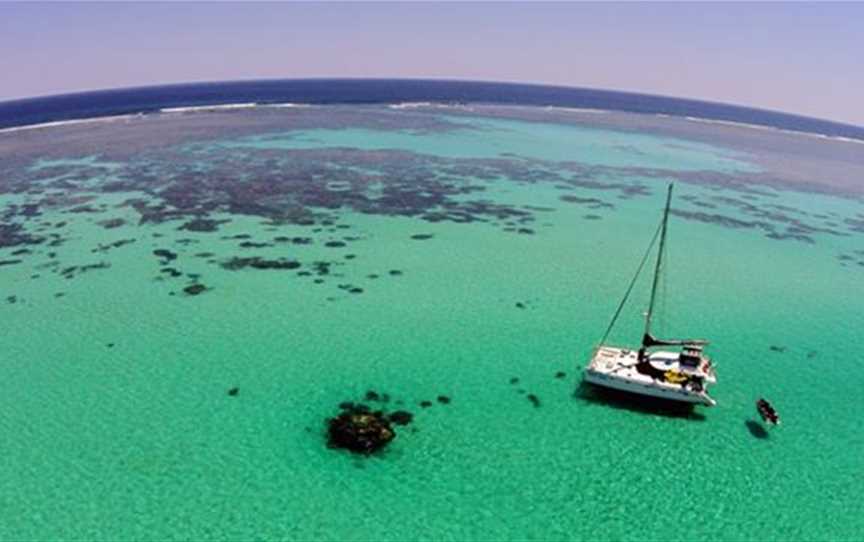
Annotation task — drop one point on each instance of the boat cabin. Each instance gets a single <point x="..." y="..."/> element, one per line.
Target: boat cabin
<point x="691" y="355"/>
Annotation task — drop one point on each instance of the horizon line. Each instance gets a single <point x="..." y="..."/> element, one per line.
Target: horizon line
<point x="12" y="101"/>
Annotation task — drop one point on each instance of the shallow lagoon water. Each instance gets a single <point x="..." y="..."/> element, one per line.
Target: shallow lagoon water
<point x="116" y="419"/>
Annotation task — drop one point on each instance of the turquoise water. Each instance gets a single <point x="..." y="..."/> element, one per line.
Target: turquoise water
<point x="140" y="440"/>
<point x="489" y="138"/>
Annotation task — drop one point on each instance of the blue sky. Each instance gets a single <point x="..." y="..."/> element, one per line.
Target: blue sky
<point x="800" y="58"/>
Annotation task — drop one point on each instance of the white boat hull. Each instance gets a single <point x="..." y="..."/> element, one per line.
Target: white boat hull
<point x="616" y="368"/>
<point x="648" y="389"/>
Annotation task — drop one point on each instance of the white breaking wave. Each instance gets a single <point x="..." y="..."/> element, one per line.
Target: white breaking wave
<point x="228" y="107"/>
<point x="773" y="129"/>
<point x="136" y="116"/>
<point x="846" y="139"/>
<point x="52" y="124"/>
<point x="716" y="121"/>
<point x="430" y="105"/>
<point x="577" y="109"/>
<point x="738" y="124"/>
<point x="410" y="105"/>
<point x="215" y="107"/>
<point x="285" y="105"/>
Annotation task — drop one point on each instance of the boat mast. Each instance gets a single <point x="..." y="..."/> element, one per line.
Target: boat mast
<point x="646" y="337"/>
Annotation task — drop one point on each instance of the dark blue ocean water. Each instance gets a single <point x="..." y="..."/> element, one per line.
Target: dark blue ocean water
<point x="370" y="91"/>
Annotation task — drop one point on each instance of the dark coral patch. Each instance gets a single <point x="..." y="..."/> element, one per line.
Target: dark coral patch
<point x="111" y="223"/>
<point x="359" y="431"/>
<point x="592" y="203"/>
<point x="12" y="235"/>
<point x="116" y="244"/>
<point x="321" y="268"/>
<point x="202" y="225"/>
<point x="400" y="417"/>
<point x="256" y="262"/>
<point x="253" y="244"/>
<point x="72" y="270"/>
<point x="84" y="209"/>
<point x="195" y="289"/>
<point x="165" y="254"/>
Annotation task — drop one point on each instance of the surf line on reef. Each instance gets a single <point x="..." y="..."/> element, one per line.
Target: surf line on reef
<point x="163" y="111"/>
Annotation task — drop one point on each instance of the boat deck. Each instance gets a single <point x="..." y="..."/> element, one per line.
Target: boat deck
<point x="663" y="377"/>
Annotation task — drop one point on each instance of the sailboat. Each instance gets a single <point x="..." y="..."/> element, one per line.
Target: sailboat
<point x="682" y="375"/>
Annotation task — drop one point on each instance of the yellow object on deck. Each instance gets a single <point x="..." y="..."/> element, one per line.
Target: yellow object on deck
<point x="674" y="377"/>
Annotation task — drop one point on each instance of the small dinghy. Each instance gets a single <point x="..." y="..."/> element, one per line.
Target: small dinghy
<point x="769" y="415"/>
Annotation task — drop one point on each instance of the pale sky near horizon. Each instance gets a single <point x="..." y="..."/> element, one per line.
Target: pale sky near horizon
<point x="798" y="58"/>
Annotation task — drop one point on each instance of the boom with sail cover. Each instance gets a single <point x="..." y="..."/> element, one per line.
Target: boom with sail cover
<point x="649" y="340"/>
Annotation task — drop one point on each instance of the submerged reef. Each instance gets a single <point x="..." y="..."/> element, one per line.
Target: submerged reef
<point x="299" y="195"/>
<point x="359" y="430"/>
<point x="256" y="262"/>
<point x="205" y="185"/>
<point x="195" y="289"/>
